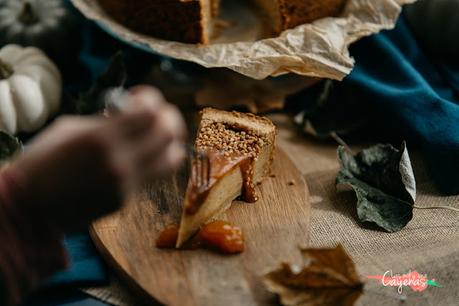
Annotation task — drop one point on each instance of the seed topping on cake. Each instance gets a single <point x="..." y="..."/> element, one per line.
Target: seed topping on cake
<point x="229" y="140"/>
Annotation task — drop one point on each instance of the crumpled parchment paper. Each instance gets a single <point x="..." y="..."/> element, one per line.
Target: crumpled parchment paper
<point x="319" y="49"/>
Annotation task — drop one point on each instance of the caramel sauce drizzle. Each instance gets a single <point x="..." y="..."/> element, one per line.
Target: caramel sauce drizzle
<point x="220" y="166"/>
<point x="220" y="236"/>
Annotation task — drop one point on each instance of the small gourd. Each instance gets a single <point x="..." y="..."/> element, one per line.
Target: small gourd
<point x="45" y="24"/>
<point x="30" y="89"/>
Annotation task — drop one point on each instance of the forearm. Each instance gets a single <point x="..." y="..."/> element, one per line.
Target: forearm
<point x="30" y="249"/>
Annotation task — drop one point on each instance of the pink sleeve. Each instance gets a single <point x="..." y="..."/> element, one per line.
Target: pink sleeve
<point x="30" y="249"/>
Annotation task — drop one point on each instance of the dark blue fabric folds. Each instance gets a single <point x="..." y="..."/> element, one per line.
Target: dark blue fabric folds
<point x="410" y="96"/>
<point x="86" y="267"/>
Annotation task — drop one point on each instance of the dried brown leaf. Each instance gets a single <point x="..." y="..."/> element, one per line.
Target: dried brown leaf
<point x="329" y="278"/>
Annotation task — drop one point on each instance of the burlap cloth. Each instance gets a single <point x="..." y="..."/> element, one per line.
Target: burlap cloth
<point x="429" y="244"/>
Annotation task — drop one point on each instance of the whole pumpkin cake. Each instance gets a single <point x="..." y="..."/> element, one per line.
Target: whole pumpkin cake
<point x="191" y="21"/>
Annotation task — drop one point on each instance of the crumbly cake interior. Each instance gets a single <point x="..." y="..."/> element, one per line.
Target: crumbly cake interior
<point x="187" y="21"/>
<point x="295" y="13"/>
<point x="286" y="14"/>
<point x="192" y="21"/>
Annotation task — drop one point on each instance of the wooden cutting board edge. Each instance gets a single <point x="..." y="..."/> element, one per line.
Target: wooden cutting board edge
<point x="135" y="288"/>
<point x="142" y="294"/>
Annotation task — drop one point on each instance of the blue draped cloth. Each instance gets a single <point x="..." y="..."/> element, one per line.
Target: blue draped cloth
<point x="410" y="95"/>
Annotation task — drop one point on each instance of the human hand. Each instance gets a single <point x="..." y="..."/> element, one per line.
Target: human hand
<point x="81" y="168"/>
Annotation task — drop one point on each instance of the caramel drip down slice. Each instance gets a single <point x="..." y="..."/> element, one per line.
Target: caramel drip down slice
<point x="220" y="165"/>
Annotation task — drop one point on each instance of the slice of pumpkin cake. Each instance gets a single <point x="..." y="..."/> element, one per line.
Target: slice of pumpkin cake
<point x="240" y="148"/>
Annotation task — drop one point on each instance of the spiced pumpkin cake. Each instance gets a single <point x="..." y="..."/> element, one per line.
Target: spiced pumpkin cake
<point x="191" y="21"/>
<point x="287" y="14"/>
<point x="188" y="21"/>
<point x="240" y="148"/>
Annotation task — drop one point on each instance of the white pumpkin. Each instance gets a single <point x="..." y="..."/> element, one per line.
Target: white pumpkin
<point x="30" y="89"/>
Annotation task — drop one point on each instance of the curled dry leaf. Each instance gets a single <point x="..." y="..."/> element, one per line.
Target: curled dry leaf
<point x="383" y="180"/>
<point x="328" y="278"/>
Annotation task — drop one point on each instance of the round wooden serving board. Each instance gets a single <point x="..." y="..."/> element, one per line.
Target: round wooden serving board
<point x="274" y="228"/>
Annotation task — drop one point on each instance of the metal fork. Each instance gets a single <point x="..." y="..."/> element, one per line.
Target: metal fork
<point x="200" y="168"/>
<point x="116" y="100"/>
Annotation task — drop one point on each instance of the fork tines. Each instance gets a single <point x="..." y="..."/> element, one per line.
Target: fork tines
<point x="200" y="169"/>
